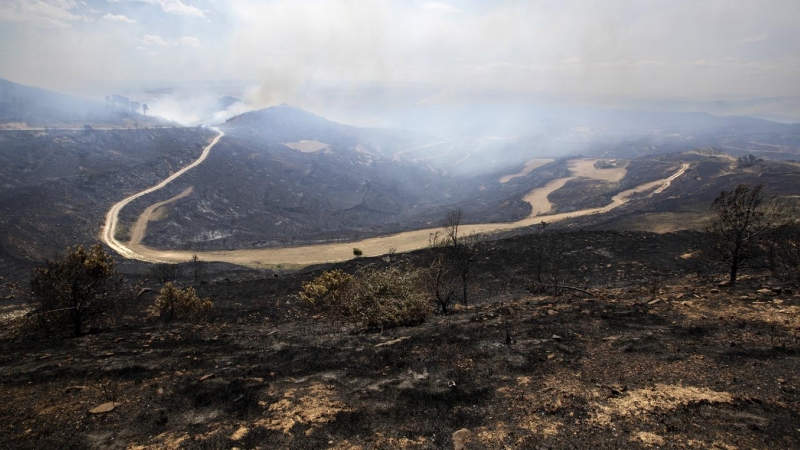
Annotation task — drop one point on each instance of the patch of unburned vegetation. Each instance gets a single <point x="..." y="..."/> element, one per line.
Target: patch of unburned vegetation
<point x="659" y="397"/>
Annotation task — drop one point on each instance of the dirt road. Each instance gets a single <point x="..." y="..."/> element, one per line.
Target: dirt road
<point x="107" y="234"/>
<point x="401" y="242"/>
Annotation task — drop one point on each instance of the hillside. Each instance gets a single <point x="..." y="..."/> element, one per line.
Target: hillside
<point x="56" y="186"/>
<point x="654" y="357"/>
<point x="283" y="176"/>
<point x="24" y="107"/>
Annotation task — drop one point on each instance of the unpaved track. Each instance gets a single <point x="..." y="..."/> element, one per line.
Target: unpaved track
<point x="401" y="242"/>
<point x="140" y="227"/>
<point x="107" y="234"/>
<point x="529" y="167"/>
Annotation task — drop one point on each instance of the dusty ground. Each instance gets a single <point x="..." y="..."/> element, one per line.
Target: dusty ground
<point x="638" y="364"/>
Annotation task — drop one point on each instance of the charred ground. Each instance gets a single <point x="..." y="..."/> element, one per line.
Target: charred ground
<point x="673" y="363"/>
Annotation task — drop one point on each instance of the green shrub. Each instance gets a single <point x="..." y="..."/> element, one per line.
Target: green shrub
<point x="175" y="303"/>
<point x="372" y="298"/>
<point x="357" y="252"/>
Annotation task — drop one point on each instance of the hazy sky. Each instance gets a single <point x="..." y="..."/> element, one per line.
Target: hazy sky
<point x="590" y="51"/>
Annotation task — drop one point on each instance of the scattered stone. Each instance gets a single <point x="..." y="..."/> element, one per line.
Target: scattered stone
<point x="46" y="356"/>
<point x="460" y="437"/>
<point x="104" y="408"/>
<point x="766" y="292"/>
<point x="724" y="284"/>
<point x="75" y="388"/>
<point x="551" y="312"/>
<point x="776" y="290"/>
<point x="653" y="302"/>
<point x="239" y="434"/>
<point x="586" y="312"/>
<point x="393" y="341"/>
<point x="556" y="338"/>
<point x="208" y="376"/>
<point x="160" y="391"/>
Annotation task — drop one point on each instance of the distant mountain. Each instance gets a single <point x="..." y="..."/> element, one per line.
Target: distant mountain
<point x="226" y="102"/>
<point x="777" y="109"/>
<point x="30" y="107"/>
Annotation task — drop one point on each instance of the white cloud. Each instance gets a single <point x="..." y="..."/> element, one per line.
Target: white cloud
<point x="118" y="18"/>
<point x="170" y="6"/>
<point x="188" y="41"/>
<point x="753" y="39"/>
<point x="52" y="13"/>
<point x="151" y="40"/>
<point x="440" y="7"/>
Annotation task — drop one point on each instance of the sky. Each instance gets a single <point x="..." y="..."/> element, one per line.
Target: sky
<point x="580" y="52"/>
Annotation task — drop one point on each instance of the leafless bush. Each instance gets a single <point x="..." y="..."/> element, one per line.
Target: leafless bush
<point x="165" y="272"/>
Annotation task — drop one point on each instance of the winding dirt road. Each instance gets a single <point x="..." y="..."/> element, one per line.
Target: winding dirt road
<point x="401" y="242"/>
<point x="107" y="234"/>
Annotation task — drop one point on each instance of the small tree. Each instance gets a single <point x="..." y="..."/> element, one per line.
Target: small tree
<point x="451" y="223"/>
<point x="79" y="287"/>
<point x="198" y="268"/>
<point x="442" y="275"/>
<point x="464" y="260"/>
<point x="357" y="252"/>
<point x="742" y="217"/>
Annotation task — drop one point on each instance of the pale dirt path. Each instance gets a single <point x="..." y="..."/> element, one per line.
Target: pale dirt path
<point x="140" y="227"/>
<point x="529" y="167"/>
<point x="107" y="234"/>
<point x="401" y="242"/>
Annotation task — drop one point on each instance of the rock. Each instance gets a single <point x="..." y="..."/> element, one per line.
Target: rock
<point x="714" y="291"/>
<point x="551" y="312"/>
<point x="586" y="312"/>
<point x="765" y="292"/>
<point x="74" y="388"/>
<point x="392" y="342"/>
<point x="460" y="437"/>
<point x="208" y="377"/>
<point x="776" y="290"/>
<point x="104" y="408"/>
<point x="556" y="338"/>
<point x="653" y="302"/>
<point x="724" y="284"/>
<point x="239" y="434"/>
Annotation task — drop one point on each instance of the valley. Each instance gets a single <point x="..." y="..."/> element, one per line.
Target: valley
<point x="403" y="242"/>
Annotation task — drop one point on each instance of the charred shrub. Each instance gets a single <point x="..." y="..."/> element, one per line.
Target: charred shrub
<point x="174" y="303"/>
<point x="372" y="298"/>
<point x="81" y="287"/>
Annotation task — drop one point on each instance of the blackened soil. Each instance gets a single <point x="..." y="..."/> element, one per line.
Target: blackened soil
<point x="655" y="357"/>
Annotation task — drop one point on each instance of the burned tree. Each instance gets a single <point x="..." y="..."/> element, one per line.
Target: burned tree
<point x="450" y="224"/>
<point x="442" y="276"/>
<point x="79" y="287"/>
<point x="743" y="216"/>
